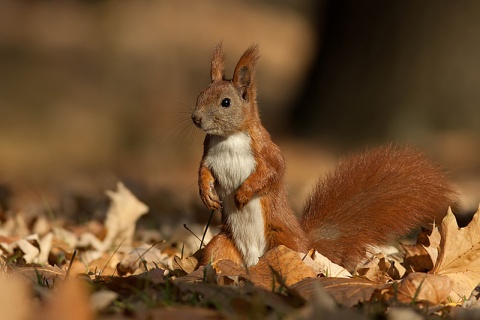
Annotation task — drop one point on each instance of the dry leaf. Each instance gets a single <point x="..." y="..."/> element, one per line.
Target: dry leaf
<point x="280" y="262"/>
<point x="434" y="240"/>
<point x="67" y="238"/>
<point x="245" y="302"/>
<point x="375" y="270"/>
<point x="122" y="215"/>
<point x="15" y="298"/>
<point x="347" y="291"/>
<point x="321" y="264"/>
<point x="397" y="313"/>
<point x="229" y="272"/>
<point x="382" y="269"/>
<point x="15" y="225"/>
<point x="321" y="305"/>
<point x="417" y="258"/>
<point x="424" y="254"/>
<point x="28" y="247"/>
<point x="155" y="276"/>
<point x="105" y="265"/>
<point x="47" y="275"/>
<point x="100" y="300"/>
<point x="181" y="313"/>
<point x="145" y="256"/>
<point x="424" y="287"/>
<point x="71" y="301"/>
<point x="279" y="266"/>
<point x="91" y="248"/>
<point x="77" y="267"/>
<point x="459" y="257"/>
<point x="45" y="248"/>
<point x="228" y="267"/>
<point x="30" y="252"/>
<point x="186" y="265"/>
<point x="193" y="277"/>
<point x="41" y="226"/>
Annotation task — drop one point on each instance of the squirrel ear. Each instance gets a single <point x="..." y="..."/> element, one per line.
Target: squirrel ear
<point x="218" y="63"/>
<point x="244" y="74"/>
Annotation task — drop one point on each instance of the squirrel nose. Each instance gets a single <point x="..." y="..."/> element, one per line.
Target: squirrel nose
<point x="197" y="120"/>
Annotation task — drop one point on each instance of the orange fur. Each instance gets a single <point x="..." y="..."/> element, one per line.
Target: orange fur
<point x="221" y="247"/>
<point x="371" y="197"/>
<point x="374" y="197"/>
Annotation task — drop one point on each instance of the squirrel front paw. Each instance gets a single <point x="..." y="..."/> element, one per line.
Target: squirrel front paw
<point x="242" y="197"/>
<point x="210" y="197"/>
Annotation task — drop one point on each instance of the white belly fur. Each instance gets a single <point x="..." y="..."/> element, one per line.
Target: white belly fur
<point x="231" y="161"/>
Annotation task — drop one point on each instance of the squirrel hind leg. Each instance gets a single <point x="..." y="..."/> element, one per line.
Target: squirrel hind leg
<point x="220" y="247"/>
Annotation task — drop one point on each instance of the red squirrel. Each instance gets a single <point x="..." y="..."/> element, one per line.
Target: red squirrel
<point x="370" y="198"/>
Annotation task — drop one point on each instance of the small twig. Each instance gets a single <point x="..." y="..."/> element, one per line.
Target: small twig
<point x="206" y="228"/>
<point x="71" y="263"/>
<point x="111" y="256"/>
<point x="185" y="226"/>
<point x="144" y="253"/>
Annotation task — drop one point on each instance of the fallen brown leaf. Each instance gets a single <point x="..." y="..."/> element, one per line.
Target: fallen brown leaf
<point x="242" y="302"/>
<point x="375" y="270"/>
<point x="322" y="264"/>
<point x="124" y="211"/>
<point x="382" y="269"/>
<point x="186" y="265"/>
<point x="322" y="305"/>
<point x="424" y="254"/>
<point x="347" y="291"/>
<point x="28" y="248"/>
<point x="15" y="298"/>
<point x="280" y="262"/>
<point x="459" y="257"/>
<point x="141" y="259"/>
<point x="71" y="301"/>
<point x="420" y="287"/>
<point x="44" y="275"/>
<point x="101" y="299"/>
<point x="229" y="272"/>
<point x="228" y="267"/>
<point x="181" y="313"/>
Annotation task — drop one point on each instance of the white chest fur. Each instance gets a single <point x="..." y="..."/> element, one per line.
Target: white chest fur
<point x="231" y="161"/>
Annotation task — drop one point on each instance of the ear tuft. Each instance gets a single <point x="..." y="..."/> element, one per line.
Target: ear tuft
<point x="244" y="74"/>
<point x="218" y="63"/>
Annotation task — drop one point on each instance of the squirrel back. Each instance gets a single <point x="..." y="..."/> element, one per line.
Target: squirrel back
<point x="374" y="197"/>
<point x="371" y="198"/>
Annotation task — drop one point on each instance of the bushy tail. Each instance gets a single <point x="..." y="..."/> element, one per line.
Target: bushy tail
<point x="374" y="197"/>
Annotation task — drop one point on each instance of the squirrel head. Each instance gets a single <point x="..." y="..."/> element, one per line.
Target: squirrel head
<point x="228" y="106"/>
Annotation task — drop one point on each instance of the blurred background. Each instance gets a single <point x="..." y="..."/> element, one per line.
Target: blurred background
<point x="92" y="92"/>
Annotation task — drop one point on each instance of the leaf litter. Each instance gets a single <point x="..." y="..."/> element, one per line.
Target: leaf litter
<point x="103" y="271"/>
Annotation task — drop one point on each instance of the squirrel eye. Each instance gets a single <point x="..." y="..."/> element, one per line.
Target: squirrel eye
<point x="226" y="102"/>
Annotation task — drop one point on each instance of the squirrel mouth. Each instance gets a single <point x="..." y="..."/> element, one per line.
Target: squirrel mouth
<point x="197" y="122"/>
